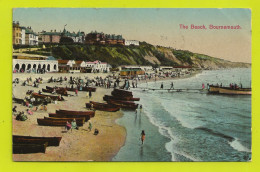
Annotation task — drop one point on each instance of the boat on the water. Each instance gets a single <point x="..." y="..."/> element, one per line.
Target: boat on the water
<point x="102" y="106"/>
<point x="58" y="122"/>
<point x="228" y="90"/>
<point x="60" y="115"/>
<point x="72" y="112"/>
<point x="29" y="148"/>
<point x="52" y="141"/>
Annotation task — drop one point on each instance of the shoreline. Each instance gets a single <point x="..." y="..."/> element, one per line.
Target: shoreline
<point x="70" y="142"/>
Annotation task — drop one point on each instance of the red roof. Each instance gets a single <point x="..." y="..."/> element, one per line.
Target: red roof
<point x="63" y="61"/>
<point x="78" y="62"/>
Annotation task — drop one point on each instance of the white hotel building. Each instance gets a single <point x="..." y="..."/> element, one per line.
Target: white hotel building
<point x="131" y="42"/>
<point x="98" y="66"/>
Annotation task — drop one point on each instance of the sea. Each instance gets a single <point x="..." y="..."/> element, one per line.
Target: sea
<point x="190" y="125"/>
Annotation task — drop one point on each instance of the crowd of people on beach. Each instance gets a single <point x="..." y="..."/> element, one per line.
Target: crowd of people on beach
<point x="29" y="82"/>
<point x="77" y="83"/>
<point x="33" y="70"/>
<point x="19" y="115"/>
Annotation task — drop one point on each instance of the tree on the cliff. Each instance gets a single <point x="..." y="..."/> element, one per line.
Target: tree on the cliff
<point x="66" y="40"/>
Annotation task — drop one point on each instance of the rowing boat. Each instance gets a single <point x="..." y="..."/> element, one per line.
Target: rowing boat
<point x="29" y="148"/>
<point x="124" y="104"/>
<point x="17" y="100"/>
<point x="42" y="96"/>
<point x="90" y="113"/>
<point x="52" y="141"/>
<point x="121" y="94"/>
<point x="57" y="122"/>
<point x="240" y="91"/>
<point x="229" y="91"/>
<point x="107" y="97"/>
<point x="92" y="89"/>
<point x="46" y="90"/>
<point x="123" y="91"/>
<point x="102" y="106"/>
<point x="58" y="90"/>
<point x="78" y="120"/>
<point x="87" y="117"/>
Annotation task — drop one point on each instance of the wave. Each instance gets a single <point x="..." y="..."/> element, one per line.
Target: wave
<point x="235" y="144"/>
<point x="166" y="131"/>
<point x="242" y="116"/>
<point x="229" y="138"/>
<point x="183" y="114"/>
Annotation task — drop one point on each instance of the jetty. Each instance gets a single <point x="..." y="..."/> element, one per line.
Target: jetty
<point x="170" y="90"/>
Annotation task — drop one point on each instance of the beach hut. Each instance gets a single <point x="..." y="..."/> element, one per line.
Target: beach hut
<point x="131" y="72"/>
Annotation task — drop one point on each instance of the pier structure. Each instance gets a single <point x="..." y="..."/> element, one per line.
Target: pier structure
<point x="170" y="89"/>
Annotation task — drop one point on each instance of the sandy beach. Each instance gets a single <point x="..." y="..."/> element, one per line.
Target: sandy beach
<point x="78" y="145"/>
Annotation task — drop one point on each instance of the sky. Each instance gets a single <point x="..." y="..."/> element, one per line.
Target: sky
<point x="153" y="25"/>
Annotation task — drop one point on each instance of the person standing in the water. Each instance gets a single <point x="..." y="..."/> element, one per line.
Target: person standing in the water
<point x="161" y="85"/>
<point x="142" y="136"/>
<point x="172" y="86"/>
<point x="141" y="107"/>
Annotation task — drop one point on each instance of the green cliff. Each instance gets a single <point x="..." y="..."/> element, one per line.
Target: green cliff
<point x="145" y="54"/>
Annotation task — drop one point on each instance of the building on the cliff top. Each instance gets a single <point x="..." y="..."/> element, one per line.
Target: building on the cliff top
<point x="101" y="38"/>
<point x="53" y="37"/>
<point x="95" y="38"/>
<point x="18" y="34"/>
<point x="78" y="37"/>
<point x="131" y="42"/>
<point x="49" y="37"/>
<point x="31" y="38"/>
